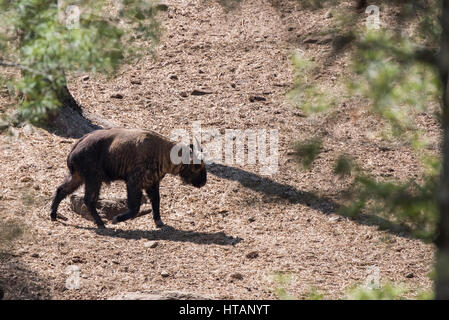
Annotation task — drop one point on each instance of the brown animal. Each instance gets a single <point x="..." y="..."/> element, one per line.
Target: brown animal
<point x="140" y="158"/>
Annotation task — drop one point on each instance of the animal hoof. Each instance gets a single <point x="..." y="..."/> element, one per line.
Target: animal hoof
<point x="55" y="218"/>
<point x="159" y="223"/>
<point x="62" y="218"/>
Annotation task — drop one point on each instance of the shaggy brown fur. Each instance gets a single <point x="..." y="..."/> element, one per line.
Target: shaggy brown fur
<point x="140" y="158"/>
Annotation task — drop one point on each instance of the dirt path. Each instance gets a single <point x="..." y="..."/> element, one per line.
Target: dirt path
<point x="228" y="239"/>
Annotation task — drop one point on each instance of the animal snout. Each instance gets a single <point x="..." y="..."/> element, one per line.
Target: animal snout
<point x="199" y="182"/>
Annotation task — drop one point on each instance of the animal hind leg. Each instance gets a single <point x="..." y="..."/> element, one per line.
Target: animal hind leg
<point x="70" y="184"/>
<point x="134" y="201"/>
<point x="91" y="195"/>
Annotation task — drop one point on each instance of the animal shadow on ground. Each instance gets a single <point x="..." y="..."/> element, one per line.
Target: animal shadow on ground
<point x="169" y="233"/>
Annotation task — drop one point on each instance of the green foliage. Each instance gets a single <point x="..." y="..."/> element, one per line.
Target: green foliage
<point x="35" y="37"/>
<point x="429" y="28"/>
<point x="315" y="4"/>
<point x="9" y="230"/>
<point x="306" y="151"/>
<point x="398" y="85"/>
<point x="411" y="204"/>
<point x="314" y="294"/>
<point x="282" y="279"/>
<point x="388" y="291"/>
<point x="390" y="69"/>
<point x="344" y="166"/>
<point x="425" y="295"/>
<point x="305" y="94"/>
<point x="30" y="198"/>
<point x="385" y="292"/>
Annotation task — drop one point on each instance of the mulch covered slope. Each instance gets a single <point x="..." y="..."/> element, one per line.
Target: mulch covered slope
<point x="228" y="239"/>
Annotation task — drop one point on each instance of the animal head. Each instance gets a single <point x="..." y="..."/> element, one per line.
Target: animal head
<point x="194" y="173"/>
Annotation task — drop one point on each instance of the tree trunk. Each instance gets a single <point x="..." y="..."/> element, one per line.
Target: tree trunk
<point x="70" y="121"/>
<point x="361" y="4"/>
<point x="442" y="241"/>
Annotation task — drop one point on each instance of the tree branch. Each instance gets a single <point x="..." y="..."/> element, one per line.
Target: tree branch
<point x="4" y="63"/>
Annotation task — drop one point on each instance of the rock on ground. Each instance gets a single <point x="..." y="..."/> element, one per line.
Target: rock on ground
<point x="107" y="209"/>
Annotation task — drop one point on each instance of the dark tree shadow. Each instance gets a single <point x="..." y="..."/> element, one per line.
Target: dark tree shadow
<point x="274" y="191"/>
<point x="17" y="282"/>
<point x="71" y="123"/>
<point x="278" y="192"/>
<point x="169" y="233"/>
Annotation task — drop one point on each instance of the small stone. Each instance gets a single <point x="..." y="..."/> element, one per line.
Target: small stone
<point x="85" y="78"/>
<point x="26" y="179"/>
<point x="35" y="255"/>
<point x="151" y="244"/>
<point x="28" y="129"/>
<point x="184" y="94"/>
<point x="251" y="219"/>
<point x="173" y="77"/>
<point x="299" y="114"/>
<point x="334" y="219"/>
<point x="257" y="98"/>
<point x="137" y="82"/>
<point x="252" y="255"/>
<point x="310" y="40"/>
<point x="117" y="96"/>
<point x="165" y="274"/>
<point x="199" y="93"/>
<point x="237" y="276"/>
<point x="409" y="275"/>
<point x="78" y="259"/>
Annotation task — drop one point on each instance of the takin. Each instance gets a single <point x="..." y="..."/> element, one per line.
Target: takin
<point x="140" y="158"/>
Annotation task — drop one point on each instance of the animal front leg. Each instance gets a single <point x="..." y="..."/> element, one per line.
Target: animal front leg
<point x="153" y="194"/>
<point x="134" y="201"/>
